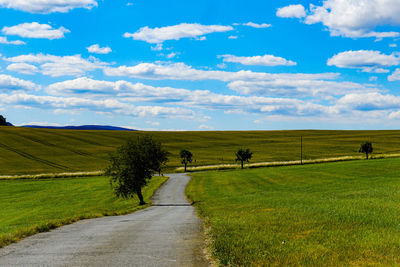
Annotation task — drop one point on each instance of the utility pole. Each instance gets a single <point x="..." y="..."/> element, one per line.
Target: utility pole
<point x="301" y="150"/>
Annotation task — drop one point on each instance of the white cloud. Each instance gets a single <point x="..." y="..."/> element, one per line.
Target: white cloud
<point x="35" y="30"/>
<point x="232" y="37"/>
<point x="373" y="79"/>
<point x="392" y="45"/>
<point x="3" y="40"/>
<point x="104" y="105"/>
<point x="23" y="68"/>
<point x="366" y="60"/>
<point x="299" y="88"/>
<point x="266" y="60"/>
<point x="356" y="18"/>
<point x="171" y="55"/>
<point x="256" y="25"/>
<point x="157" y="47"/>
<point x="10" y="83"/>
<point x="153" y="123"/>
<point x="368" y="102"/>
<point x="291" y="11"/>
<point x="395" y="76"/>
<point x="204" y="99"/>
<point x="47" y="6"/>
<point x="57" y="66"/>
<point x="98" y="50"/>
<point x="205" y="127"/>
<point x="176" y="32"/>
<point x="181" y="71"/>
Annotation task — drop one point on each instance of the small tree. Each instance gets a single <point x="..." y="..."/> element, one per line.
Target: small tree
<point x="186" y="157"/>
<point x="3" y="121"/>
<point x="366" y="148"/>
<point x="243" y="155"/>
<point x="133" y="165"/>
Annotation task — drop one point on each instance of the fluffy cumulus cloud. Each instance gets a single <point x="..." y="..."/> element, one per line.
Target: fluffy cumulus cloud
<point x="395" y="76"/>
<point x="181" y="71"/>
<point x="266" y="60"/>
<point x="23" y="68"/>
<point x="103" y="105"/>
<point x="353" y="18"/>
<point x="176" y="32"/>
<point x="35" y="30"/>
<point x="10" y="83"/>
<point x="366" y="60"/>
<point x="47" y="6"/>
<point x="299" y="88"/>
<point x="4" y="40"/>
<point x="98" y="50"/>
<point x="204" y="99"/>
<point x="368" y="102"/>
<point x="291" y="11"/>
<point x="57" y="66"/>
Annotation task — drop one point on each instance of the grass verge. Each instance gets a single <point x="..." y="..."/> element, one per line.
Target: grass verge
<point x="338" y="214"/>
<point x="28" y="207"/>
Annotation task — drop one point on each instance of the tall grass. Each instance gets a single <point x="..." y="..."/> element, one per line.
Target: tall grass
<point x="337" y="214"/>
<point x="31" y="206"/>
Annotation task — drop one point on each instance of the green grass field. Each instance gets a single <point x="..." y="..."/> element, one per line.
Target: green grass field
<point x="333" y="214"/>
<point x="32" y="151"/>
<point x="31" y="206"/>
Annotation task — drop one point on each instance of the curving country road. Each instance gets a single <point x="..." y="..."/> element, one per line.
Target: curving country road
<point x="166" y="234"/>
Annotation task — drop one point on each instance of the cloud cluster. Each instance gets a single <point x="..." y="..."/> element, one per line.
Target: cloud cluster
<point x="104" y="105"/>
<point x="98" y="50"/>
<point x="55" y="66"/>
<point x="4" y="40"/>
<point x="265" y="60"/>
<point x="47" y="6"/>
<point x="10" y="83"/>
<point x="366" y="60"/>
<point x="255" y="25"/>
<point x="355" y="19"/>
<point x="176" y="32"/>
<point x="181" y="71"/>
<point x="291" y="11"/>
<point x="35" y="30"/>
<point x="395" y="76"/>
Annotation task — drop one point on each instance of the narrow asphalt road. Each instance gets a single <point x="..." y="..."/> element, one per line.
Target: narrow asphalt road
<point x="166" y="234"/>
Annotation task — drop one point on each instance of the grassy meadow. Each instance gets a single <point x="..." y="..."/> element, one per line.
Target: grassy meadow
<point x="333" y="214"/>
<point x="31" y="206"/>
<point x="33" y="151"/>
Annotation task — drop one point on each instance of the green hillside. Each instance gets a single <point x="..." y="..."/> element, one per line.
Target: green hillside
<point x="30" y="151"/>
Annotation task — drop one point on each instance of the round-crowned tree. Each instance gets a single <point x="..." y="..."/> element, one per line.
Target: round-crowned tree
<point x="366" y="148"/>
<point x="186" y="157"/>
<point x="243" y="155"/>
<point x="133" y="165"/>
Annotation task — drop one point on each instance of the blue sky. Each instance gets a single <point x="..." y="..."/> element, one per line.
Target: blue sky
<point x="201" y="65"/>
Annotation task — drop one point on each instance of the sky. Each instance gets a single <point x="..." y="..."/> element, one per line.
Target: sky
<point x="201" y="65"/>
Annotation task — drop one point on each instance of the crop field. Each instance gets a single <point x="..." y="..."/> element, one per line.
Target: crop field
<point x="333" y="214"/>
<point x="31" y="206"/>
<point x="33" y="151"/>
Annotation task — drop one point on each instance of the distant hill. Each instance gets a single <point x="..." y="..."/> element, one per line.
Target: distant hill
<point x="82" y="127"/>
<point x="9" y="124"/>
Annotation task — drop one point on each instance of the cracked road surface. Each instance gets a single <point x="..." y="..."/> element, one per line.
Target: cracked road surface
<point x="167" y="234"/>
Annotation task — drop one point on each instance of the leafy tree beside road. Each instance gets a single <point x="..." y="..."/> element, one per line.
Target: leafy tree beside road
<point x="134" y="164"/>
<point x="186" y="157"/>
<point x="243" y="155"/>
<point x="366" y="148"/>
